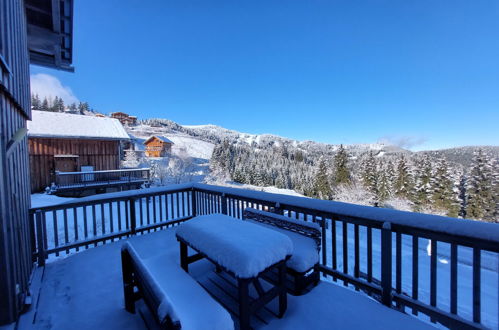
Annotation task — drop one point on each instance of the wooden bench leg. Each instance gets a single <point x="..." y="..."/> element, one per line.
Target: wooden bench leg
<point x="126" y="267"/>
<point x="244" y="304"/>
<point x="184" y="263"/>
<point x="283" y="297"/>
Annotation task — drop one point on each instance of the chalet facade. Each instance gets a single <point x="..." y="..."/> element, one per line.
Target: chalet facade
<point x="158" y="146"/>
<point x="124" y="118"/>
<point x="32" y="32"/>
<point x="70" y="143"/>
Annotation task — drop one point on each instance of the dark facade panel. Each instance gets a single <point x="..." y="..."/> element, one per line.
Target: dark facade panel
<point x="50" y="33"/>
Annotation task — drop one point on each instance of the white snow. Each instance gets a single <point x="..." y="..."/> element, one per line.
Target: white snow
<point x="63" y="125"/>
<point x="244" y="248"/>
<point x="181" y="298"/>
<point x="85" y="291"/>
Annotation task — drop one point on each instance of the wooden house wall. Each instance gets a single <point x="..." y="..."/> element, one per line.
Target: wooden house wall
<point x="102" y="154"/>
<point x="157" y="148"/>
<point x="15" y="231"/>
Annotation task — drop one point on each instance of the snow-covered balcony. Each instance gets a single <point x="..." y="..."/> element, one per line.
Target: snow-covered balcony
<point x="379" y="268"/>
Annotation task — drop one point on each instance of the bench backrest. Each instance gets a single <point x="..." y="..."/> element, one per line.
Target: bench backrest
<point x="308" y="229"/>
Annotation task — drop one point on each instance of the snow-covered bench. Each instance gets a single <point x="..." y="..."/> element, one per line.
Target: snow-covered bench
<point x="302" y="269"/>
<point x="176" y="300"/>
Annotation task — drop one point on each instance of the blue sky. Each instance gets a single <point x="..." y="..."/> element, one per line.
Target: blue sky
<point x="424" y="74"/>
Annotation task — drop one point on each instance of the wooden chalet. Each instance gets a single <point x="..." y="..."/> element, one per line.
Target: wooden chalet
<point x="158" y="146"/>
<point x="32" y="32"/>
<point x="60" y="142"/>
<point x="124" y="118"/>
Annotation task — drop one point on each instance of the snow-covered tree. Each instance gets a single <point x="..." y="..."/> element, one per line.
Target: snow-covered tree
<point x="341" y="169"/>
<point x="443" y="195"/>
<point x="480" y="198"/>
<point x="322" y="187"/>
<point x="403" y="182"/>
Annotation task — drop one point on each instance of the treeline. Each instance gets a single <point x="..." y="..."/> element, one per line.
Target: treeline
<point x="428" y="184"/>
<point x="56" y="104"/>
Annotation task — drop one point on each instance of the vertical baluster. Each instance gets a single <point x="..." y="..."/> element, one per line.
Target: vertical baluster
<point x="398" y="264"/>
<point x="345" y="250"/>
<point x="160" y="197"/>
<point x="334" y="249"/>
<point x="192" y="204"/>
<point x="240" y="208"/>
<point x="56" y="231"/>
<point x="66" y="235"/>
<point x="148" y="209"/>
<point x="127" y="215"/>
<point x="369" y="254"/>
<point x="415" y="270"/>
<point x="75" y="223"/>
<point x="154" y="211"/>
<point x="356" y="271"/>
<point x="111" y="220"/>
<point x="172" y="207"/>
<point x="85" y="225"/>
<point x="103" y="218"/>
<point x="184" y="203"/>
<point x="476" y="284"/>
<point x="166" y="207"/>
<point x="433" y="273"/>
<point x="324" y="247"/>
<point x="141" y="212"/>
<point x="118" y="205"/>
<point x="177" y="203"/>
<point x="94" y="222"/>
<point x="453" y="278"/>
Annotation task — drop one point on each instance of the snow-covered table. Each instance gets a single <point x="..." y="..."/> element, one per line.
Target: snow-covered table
<point x="244" y="250"/>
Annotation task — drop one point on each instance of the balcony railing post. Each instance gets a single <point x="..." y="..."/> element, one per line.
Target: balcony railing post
<point x="40" y="238"/>
<point x="386" y="264"/>
<point x="194" y="203"/>
<point x="224" y="204"/>
<point x="133" y="216"/>
<point x="278" y="209"/>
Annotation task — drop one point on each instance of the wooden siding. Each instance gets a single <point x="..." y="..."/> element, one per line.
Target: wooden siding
<point x="157" y="148"/>
<point x="15" y="231"/>
<point x="103" y="155"/>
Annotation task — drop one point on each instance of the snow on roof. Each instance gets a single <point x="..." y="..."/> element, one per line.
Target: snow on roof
<point x="63" y="125"/>
<point x="162" y="138"/>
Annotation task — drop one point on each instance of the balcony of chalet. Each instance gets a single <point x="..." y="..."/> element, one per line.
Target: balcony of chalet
<point x="379" y="268"/>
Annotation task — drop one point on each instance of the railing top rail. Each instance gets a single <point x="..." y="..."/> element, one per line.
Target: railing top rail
<point x="466" y="232"/>
<point x="458" y="228"/>
<point x="105" y="171"/>
<point x="115" y="196"/>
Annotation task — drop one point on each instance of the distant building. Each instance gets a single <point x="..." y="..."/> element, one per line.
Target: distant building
<point x="124" y="118"/>
<point x="158" y="146"/>
<point x="66" y="143"/>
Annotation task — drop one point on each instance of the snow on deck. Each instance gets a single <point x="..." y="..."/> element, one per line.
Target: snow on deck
<point x="84" y="291"/>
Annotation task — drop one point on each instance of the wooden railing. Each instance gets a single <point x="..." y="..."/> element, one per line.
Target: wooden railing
<point x="65" y="180"/>
<point x="382" y="252"/>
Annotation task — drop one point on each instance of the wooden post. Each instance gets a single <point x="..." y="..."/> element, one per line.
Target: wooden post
<point x="39" y="238"/>
<point x="224" y="204"/>
<point x="386" y="264"/>
<point x="283" y="298"/>
<point x="244" y="303"/>
<point x="194" y="203"/>
<point x="133" y="216"/>
<point x="184" y="263"/>
<point x="126" y="268"/>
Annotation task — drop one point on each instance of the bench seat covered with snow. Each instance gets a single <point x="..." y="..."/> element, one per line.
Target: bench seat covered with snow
<point x="176" y="300"/>
<point x="302" y="269"/>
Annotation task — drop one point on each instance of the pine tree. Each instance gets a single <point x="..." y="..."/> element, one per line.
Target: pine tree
<point x="443" y="196"/>
<point x="45" y="105"/>
<point x="370" y="175"/>
<point x="322" y="188"/>
<point x="384" y="183"/>
<point x="35" y="102"/>
<point x="423" y="188"/>
<point x="480" y="199"/>
<point x="341" y="170"/>
<point x="403" y="181"/>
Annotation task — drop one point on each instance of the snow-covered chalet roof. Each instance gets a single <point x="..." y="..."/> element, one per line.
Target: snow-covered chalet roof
<point x="63" y="125"/>
<point x="162" y="138"/>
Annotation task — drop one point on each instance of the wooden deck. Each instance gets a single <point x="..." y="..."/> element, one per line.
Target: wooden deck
<point x="84" y="291"/>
